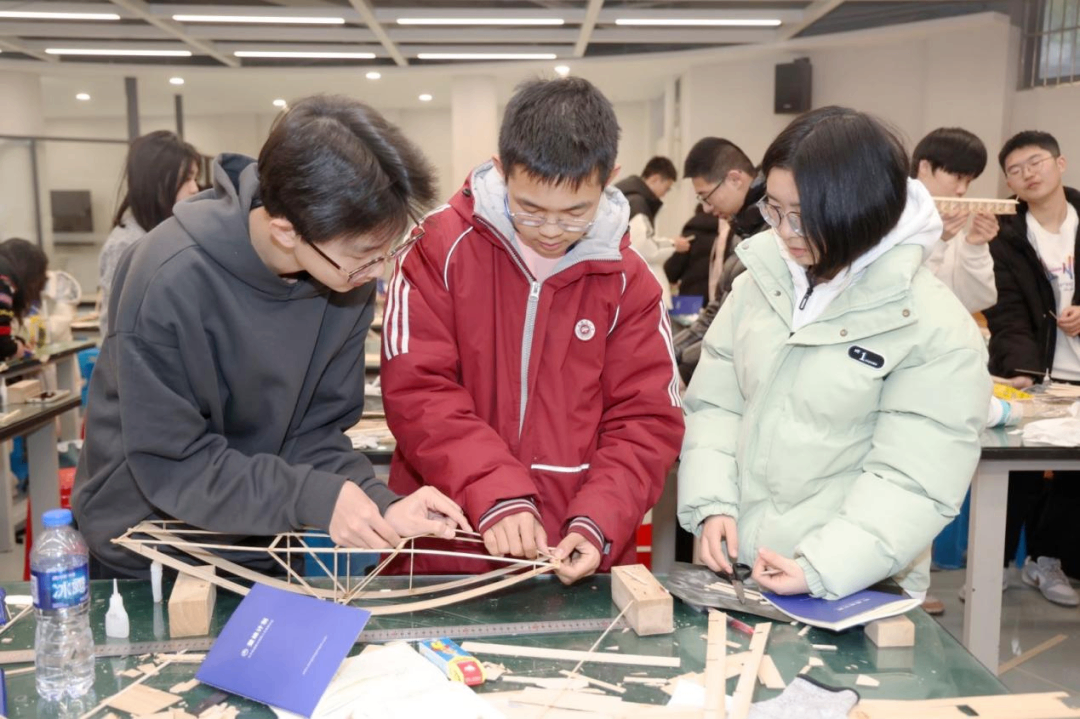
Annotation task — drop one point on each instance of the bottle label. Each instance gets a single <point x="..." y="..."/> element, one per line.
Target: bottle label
<point x="61" y="589"/>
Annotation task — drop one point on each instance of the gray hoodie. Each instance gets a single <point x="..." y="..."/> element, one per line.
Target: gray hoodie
<point x="222" y="391"/>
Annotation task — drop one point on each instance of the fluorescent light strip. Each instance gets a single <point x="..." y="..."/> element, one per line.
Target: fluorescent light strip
<point x="117" y="53"/>
<point x="701" y="22"/>
<point x="261" y="19"/>
<point x="305" y="55"/>
<point x="24" y="15"/>
<point x="487" y="56"/>
<point x="480" y="21"/>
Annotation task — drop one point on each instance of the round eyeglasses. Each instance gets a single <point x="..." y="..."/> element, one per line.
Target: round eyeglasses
<point x="773" y="217"/>
<point x="526" y="219"/>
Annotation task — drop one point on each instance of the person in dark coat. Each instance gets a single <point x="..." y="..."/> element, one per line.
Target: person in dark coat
<point x="690" y="270"/>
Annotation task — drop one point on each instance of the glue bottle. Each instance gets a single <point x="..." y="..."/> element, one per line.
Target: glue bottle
<point x="116" y="619"/>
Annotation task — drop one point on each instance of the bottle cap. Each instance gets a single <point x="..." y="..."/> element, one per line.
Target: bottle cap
<point x="56" y="518"/>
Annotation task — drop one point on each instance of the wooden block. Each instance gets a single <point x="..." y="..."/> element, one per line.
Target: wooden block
<point x="652" y="611"/>
<point x="191" y="606"/>
<point x="141" y="700"/>
<point x="19" y="392"/>
<point x="892" y="632"/>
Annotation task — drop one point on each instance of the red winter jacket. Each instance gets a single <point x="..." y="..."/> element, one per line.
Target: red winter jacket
<point x="557" y="397"/>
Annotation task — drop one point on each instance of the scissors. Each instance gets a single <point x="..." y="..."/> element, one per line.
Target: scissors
<point x="739" y="573"/>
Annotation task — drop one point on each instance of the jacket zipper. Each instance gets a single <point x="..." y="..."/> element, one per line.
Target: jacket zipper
<point x="529" y="330"/>
<point x="806" y="297"/>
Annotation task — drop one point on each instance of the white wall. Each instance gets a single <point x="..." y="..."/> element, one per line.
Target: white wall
<point x="915" y="81"/>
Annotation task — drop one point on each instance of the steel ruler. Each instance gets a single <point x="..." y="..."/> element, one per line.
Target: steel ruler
<point x="368" y="636"/>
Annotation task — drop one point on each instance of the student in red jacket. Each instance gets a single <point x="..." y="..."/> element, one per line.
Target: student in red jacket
<point x="527" y="368"/>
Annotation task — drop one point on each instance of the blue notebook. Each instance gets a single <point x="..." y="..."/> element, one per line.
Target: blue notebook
<point x="877" y="602"/>
<point x="282" y="648"/>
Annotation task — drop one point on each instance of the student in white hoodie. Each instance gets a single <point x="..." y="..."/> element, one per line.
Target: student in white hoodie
<point x="947" y="161"/>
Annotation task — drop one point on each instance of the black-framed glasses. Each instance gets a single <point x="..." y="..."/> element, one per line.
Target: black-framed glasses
<point x="526" y="219"/>
<point x="773" y="217"/>
<point x="704" y="199"/>
<point x="1017" y="170"/>
<point x="415" y="236"/>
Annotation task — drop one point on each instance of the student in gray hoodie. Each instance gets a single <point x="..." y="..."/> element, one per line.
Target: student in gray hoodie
<point x="234" y="360"/>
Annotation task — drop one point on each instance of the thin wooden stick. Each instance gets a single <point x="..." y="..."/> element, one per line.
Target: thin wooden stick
<point x="715" y="669"/>
<point x="412" y="560"/>
<point x="1034" y="651"/>
<point x="592" y="649"/>
<point x="20" y="615"/>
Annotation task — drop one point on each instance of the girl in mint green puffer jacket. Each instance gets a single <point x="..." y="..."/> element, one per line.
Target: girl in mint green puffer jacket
<point x="832" y="426"/>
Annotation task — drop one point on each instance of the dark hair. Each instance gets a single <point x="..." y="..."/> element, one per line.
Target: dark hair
<point x="851" y="173"/>
<point x="661" y="166"/>
<point x="952" y="149"/>
<point x="557" y="131"/>
<point x="333" y="166"/>
<point x="158" y="163"/>
<point x="712" y="158"/>
<point x="28" y="263"/>
<point x="1029" y="138"/>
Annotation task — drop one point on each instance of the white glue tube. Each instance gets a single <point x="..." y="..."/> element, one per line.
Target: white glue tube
<point x="155" y="581"/>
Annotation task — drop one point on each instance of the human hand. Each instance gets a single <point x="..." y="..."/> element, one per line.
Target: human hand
<point x="1069" y="321"/>
<point x="356" y="521"/>
<point x="578" y="558"/>
<point x="778" y="574"/>
<point x="682" y="244"/>
<point x="983" y="229"/>
<point x="519" y="535"/>
<point x="426" y="511"/>
<point x="716" y="529"/>
<point x="1021" y="382"/>
<point x="22" y="349"/>
<point x="953" y="222"/>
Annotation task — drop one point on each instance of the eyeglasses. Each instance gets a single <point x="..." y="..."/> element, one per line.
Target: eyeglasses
<point x="704" y="199"/>
<point x="1033" y="165"/>
<point x="774" y="217"/>
<point x="416" y="235"/>
<point x="528" y="220"/>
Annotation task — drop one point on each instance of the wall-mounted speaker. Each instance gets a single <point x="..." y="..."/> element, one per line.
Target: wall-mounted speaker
<point x="793" y="85"/>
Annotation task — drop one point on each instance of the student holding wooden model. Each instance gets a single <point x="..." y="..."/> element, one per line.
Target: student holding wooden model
<point x="833" y="422"/>
<point x="234" y="359"/>
<point x="527" y="365"/>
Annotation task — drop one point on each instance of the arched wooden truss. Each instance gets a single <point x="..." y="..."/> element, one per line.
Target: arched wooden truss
<point x="147" y="539"/>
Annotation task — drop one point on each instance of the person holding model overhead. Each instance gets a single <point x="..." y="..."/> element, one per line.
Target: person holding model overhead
<point x="832" y="426"/>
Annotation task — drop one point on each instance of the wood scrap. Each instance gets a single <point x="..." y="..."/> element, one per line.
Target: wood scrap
<point x="744" y="690"/>
<point x="131" y="673"/>
<point x="804" y="630"/>
<point x="1030" y="653"/>
<point x="1048" y="705"/>
<point x="547" y="682"/>
<point x="651" y="605"/>
<point x="824" y="647"/>
<point x="579" y="702"/>
<point x="492" y="671"/>
<point x="140" y="700"/>
<point x="864" y="681"/>
<point x="595" y="682"/>
<point x="651" y="681"/>
<point x="695" y="677"/>
<point x="805" y="669"/>
<point x="715" y="666"/>
<point x="734" y="645"/>
<point x="184" y="686"/>
<point x="17" y="672"/>
<point x="570" y="655"/>
<point x="179" y="658"/>
<point x="150" y="669"/>
<point x="769" y="675"/>
<point x="6" y="640"/>
<point x="814" y="662"/>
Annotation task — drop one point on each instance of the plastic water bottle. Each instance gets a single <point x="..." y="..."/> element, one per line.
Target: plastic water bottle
<point x="60" y="585"/>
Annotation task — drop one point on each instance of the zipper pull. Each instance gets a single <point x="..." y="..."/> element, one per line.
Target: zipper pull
<point x="806" y="297"/>
<point x="534" y="293"/>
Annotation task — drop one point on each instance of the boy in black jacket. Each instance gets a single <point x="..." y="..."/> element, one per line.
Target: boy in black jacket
<point x="1034" y="328"/>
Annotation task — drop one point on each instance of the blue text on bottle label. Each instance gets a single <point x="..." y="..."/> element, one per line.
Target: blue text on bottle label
<point x="60" y="589"/>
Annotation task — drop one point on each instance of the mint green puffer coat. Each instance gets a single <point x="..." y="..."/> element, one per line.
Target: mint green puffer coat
<point x="847" y="444"/>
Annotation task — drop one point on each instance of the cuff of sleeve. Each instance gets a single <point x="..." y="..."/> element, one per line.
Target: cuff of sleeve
<point x="502" y="510"/>
<point x="378" y="492"/>
<point x="692" y="518"/>
<point x="316" y="499"/>
<point x="813" y="579"/>
<point x="591" y="531"/>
